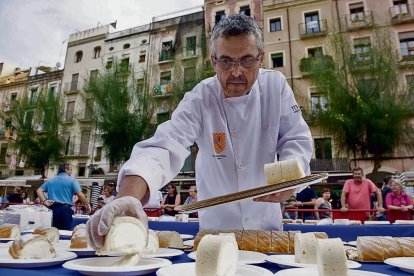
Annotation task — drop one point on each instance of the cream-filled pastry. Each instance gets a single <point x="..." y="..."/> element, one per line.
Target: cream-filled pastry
<point x="32" y="247"/>
<point x="305" y="248"/>
<point x="331" y="257"/>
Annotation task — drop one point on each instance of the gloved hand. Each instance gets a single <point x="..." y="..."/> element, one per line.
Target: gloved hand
<point x="99" y="223"/>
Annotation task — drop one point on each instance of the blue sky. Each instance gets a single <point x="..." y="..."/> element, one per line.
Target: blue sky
<point x="35" y="32"/>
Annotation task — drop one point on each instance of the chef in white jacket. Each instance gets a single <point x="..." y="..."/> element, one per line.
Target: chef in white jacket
<point x="241" y="119"/>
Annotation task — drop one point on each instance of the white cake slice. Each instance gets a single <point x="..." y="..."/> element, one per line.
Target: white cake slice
<point x="217" y="255"/>
<point x="127" y="235"/>
<point x="283" y="171"/>
<point x="32" y="247"/>
<point x="305" y="248"/>
<point x="331" y="257"/>
<point x="153" y="243"/>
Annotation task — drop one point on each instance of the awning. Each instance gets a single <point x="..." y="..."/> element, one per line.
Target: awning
<point x="20" y="180"/>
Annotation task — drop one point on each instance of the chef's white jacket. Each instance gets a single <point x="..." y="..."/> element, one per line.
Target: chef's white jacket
<point x="236" y="137"/>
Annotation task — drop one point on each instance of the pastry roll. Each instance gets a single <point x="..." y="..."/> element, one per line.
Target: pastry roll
<point x="31" y="247"/>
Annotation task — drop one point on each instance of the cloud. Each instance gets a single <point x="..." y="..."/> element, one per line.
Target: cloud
<point x="33" y="32"/>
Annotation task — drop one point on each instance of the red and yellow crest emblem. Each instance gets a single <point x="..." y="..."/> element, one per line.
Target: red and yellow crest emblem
<point x="219" y="142"/>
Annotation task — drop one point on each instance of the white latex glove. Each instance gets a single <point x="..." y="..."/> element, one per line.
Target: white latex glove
<point x="99" y="223"/>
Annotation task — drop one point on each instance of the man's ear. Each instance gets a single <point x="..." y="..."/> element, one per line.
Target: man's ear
<point x="261" y="58"/>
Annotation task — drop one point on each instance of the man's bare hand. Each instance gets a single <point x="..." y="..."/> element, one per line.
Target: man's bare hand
<point x="276" y="197"/>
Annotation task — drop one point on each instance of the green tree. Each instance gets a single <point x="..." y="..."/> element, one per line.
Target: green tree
<point x="122" y="112"/>
<point x="367" y="112"/>
<point x="37" y="124"/>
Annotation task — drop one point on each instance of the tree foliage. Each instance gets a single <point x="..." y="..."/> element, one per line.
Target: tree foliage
<point x="368" y="111"/>
<point x="122" y="112"/>
<point x="37" y="123"/>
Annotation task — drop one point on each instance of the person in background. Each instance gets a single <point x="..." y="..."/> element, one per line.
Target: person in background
<point x="106" y="195"/>
<point x="305" y="200"/>
<point x="192" y="197"/>
<point x="400" y="201"/>
<point x="385" y="189"/>
<point x="356" y="193"/>
<point x="290" y="204"/>
<point x="153" y="206"/>
<point x="241" y="119"/>
<point x="171" y="200"/>
<point x="26" y="199"/>
<point x="60" y="190"/>
<point x="15" y="197"/>
<point x="323" y="203"/>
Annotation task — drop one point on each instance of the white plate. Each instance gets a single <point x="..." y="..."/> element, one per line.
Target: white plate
<point x="103" y="266"/>
<point x="65" y="245"/>
<point x="7" y="261"/>
<point x="375" y="222"/>
<point x="186" y="236"/>
<point x="311" y="271"/>
<point x="188" y="269"/>
<point x="165" y="253"/>
<point x="353" y="243"/>
<point x="245" y="257"/>
<point x="5" y="240"/>
<point x="188" y="242"/>
<point x="404" y="263"/>
<point x="288" y="261"/>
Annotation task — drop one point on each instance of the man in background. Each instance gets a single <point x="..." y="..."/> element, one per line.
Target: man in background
<point x="60" y="190"/>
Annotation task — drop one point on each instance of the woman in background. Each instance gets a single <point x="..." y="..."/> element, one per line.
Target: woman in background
<point x="191" y="199"/>
<point x="171" y="200"/>
<point x="399" y="202"/>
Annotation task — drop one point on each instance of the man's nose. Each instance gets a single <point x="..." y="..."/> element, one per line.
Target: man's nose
<point x="237" y="69"/>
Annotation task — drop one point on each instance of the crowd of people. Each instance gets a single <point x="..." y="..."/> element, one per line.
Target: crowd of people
<point x="358" y="194"/>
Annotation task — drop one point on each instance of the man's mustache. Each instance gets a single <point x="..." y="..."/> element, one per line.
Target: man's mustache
<point x="236" y="80"/>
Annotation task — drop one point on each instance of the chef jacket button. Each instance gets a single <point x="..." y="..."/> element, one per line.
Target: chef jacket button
<point x="264" y="125"/>
<point x="233" y="132"/>
<point x="240" y="166"/>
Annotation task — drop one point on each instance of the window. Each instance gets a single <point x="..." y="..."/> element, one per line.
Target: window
<point x="84" y="142"/>
<point x="109" y="64"/>
<point x="275" y="24"/>
<point x="165" y="77"/>
<point x="163" y="117"/>
<point x="94" y="75"/>
<point x="190" y="46"/>
<point x="13" y="97"/>
<point x="88" y="109"/>
<point x="126" y="46"/>
<point x="362" y="48"/>
<point x="406" y="44"/>
<point x="312" y="22"/>
<point x="318" y="101"/>
<point x="245" y="10"/>
<point x="400" y="8"/>
<point x="70" y="108"/>
<point x="315" y="52"/>
<point x="219" y="15"/>
<point x="74" y="82"/>
<point x="124" y="66"/>
<point x="81" y="169"/>
<point x="78" y="56"/>
<point x="277" y="60"/>
<point x="97" y="52"/>
<point x="189" y="78"/>
<point x="166" y="51"/>
<point x="53" y="89"/>
<point x="323" y="148"/>
<point x="111" y="48"/>
<point x="357" y="11"/>
<point x="142" y="56"/>
<point x="70" y="146"/>
<point x="140" y="86"/>
<point x="98" y="155"/>
<point x="34" y="93"/>
<point x="410" y="87"/>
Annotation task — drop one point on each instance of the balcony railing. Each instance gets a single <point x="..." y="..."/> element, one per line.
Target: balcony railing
<point x="71" y="87"/>
<point x="359" y="20"/>
<point x="166" y="56"/>
<point x="407" y="53"/>
<point x="163" y="89"/>
<point x="402" y="13"/>
<point x="313" y="28"/>
<point x="323" y="165"/>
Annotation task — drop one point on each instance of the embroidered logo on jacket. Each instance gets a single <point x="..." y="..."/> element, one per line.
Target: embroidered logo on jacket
<point x="219" y="142"/>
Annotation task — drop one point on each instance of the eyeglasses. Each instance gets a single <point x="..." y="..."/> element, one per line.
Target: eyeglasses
<point x="228" y="64"/>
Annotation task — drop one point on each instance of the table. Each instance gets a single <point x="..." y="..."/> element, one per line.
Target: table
<point x="346" y="232"/>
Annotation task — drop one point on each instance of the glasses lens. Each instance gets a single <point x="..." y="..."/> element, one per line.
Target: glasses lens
<point x="228" y="64"/>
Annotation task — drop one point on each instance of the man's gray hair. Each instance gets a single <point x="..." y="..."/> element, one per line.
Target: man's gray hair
<point x="234" y="25"/>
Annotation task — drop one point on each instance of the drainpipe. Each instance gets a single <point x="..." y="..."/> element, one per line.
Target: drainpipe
<point x="290" y="50"/>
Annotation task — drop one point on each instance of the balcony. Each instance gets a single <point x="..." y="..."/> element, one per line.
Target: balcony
<point x="313" y="29"/>
<point x="163" y="90"/>
<point x="359" y="20"/>
<point x="324" y="165"/>
<point x="71" y="87"/>
<point x="166" y="57"/>
<point x="77" y="151"/>
<point x="402" y="13"/>
<point x="407" y="57"/>
<point x="189" y="54"/>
